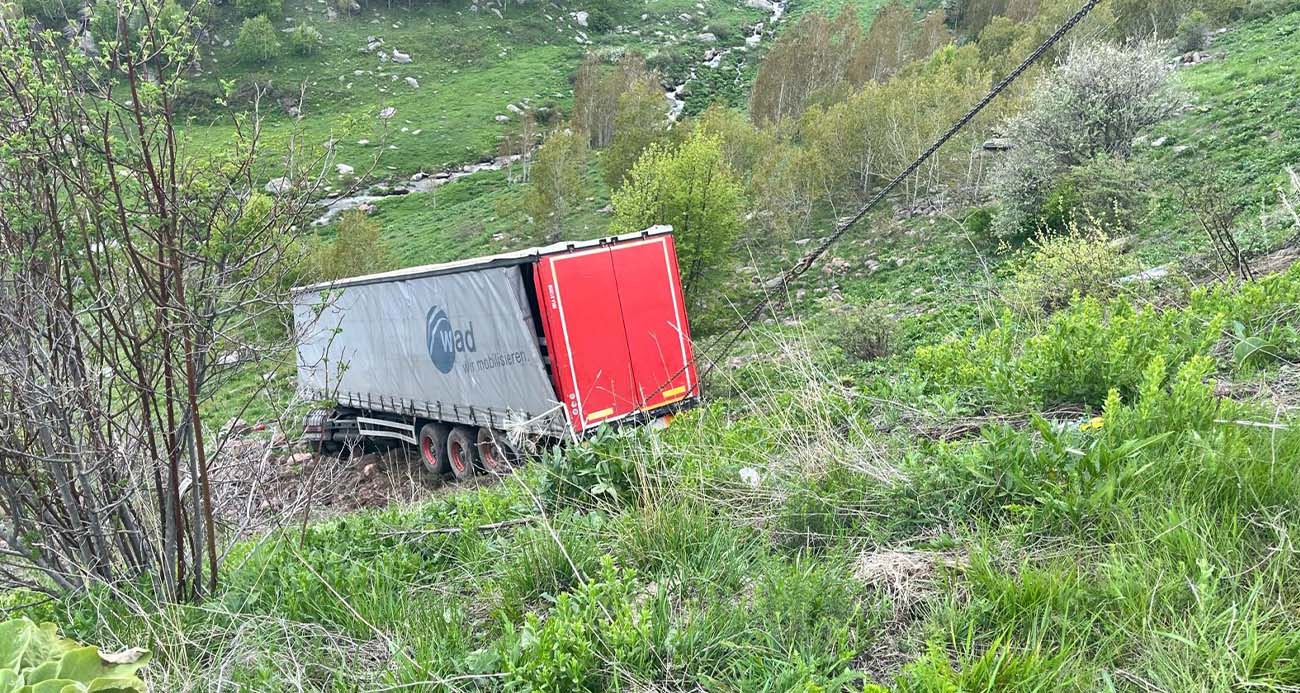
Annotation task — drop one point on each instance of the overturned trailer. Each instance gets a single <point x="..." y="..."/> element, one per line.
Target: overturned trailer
<point x="466" y="359"/>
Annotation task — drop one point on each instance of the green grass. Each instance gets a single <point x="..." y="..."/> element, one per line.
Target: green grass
<point x="469" y="67"/>
<point x="829" y="524"/>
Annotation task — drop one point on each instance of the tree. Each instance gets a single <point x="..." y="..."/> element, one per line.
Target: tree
<point x="260" y="8"/>
<point x="130" y="267"/>
<point x="258" y="41"/>
<point x="357" y="249"/>
<point x="598" y="92"/>
<point x="555" y="184"/>
<point x="692" y="189"/>
<point x="639" y="122"/>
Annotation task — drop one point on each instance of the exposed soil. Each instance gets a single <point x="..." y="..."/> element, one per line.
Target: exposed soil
<point x="260" y="483"/>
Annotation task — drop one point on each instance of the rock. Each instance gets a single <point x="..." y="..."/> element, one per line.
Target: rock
<point x="765" y="5"/>
<point x="872" y="266"/>
<point x="998" y="144"/>
<point x="514" y="109"/>
<point x="753" y="40"/>
<point x="299" y="458"/>
<point x="684" y="17"/>
<point x="707" y="37"/>
<point x="387" y="113"/>
<point x="750" y="476"/>
<point x="1148" y="275"/>
<point x="369" y="470"/>
<point x="401" y="58"/>
<point x="581" y="18"/>
<point x="294" y="112"/>
<point x="278" y="186"/>
<point x="836" y="265"/>
<point x="344" y="169"/>
<point x="1159" y="141"/>
<point x="331" y="14"/>
<point x="417" y="177"/>
<point x="363" y="142"/>
<point x="1181" y="149"/>
<point x="502" y="118"/>
<point x="413" y="82"/>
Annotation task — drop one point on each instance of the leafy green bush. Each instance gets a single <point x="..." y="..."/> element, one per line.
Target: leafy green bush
<point x="601" y="621"/>
<point x="305" y="39"/>
<point x="35" y="659"/>
<point x="1193" y="30"/>
<point x="867" y="333"/>
<point x="1095" y="103"/>
<point x="598" y="472"/>
<point x="1079" y="263"/>
<point x="263" y="8"/>
<point x="258" y="41"/>
<point x="1091" y="347"/>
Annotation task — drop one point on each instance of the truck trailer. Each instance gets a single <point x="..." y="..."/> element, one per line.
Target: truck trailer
<point x="467" y="360"/>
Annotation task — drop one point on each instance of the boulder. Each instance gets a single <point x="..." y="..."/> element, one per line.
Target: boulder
<point x="278" y="186"/>
<point x="581" y="18"/>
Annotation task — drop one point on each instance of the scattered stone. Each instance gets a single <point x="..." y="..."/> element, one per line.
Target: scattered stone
<point x="279" y="186"/>
<point x="387" y="113"/>
<point x="401" y="58"/>
<point x="413" y="82"/>
<point x="417" y="177"/>
<point x="836" y="265"/>
<point x="581" y="18"/>
<point x="750" y="476"/>
<point x="1160" y="141"/>
<point x="344" y="169"/>
<point x="369" y="470"/>
<point x="363" y="142"/>
<point x="502" y="118"/>
<point x="707" y="37"/>
<point x="514" y="109"/>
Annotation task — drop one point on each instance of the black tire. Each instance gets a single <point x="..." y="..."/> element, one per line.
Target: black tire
<point x="494" y="452"/>
<point x="433" y="449"/>
<point x="462" y="452"/>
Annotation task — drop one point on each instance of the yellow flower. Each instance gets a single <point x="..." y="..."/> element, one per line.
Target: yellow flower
<point x="1095" y="423"/>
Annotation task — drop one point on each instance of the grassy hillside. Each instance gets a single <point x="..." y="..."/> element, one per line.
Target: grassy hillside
<point x="469" y="66"/>
<point x="1102" y="498"/>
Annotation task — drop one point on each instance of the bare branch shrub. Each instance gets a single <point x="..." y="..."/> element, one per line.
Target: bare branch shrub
<point x="132" y="266"/>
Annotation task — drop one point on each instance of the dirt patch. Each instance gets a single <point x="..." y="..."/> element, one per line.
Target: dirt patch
<point x="261" y="483"/>
<point x="911" y="579"/>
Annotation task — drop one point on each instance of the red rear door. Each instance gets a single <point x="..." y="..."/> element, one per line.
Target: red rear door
<point x="584" y="327"/>
<point x="654" y="318"/>
<point x="617" y="330"/>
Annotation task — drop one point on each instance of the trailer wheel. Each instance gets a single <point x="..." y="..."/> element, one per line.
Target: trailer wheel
<point x="433" y="449"/>
<point x="495" y="453"/>
<point x="462" y="452"/>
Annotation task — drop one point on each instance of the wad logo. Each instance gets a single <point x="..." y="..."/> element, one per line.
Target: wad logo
<point x="443" y="341"/>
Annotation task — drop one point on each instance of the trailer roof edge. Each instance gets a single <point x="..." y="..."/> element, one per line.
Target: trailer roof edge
<point x="516" y="257"/>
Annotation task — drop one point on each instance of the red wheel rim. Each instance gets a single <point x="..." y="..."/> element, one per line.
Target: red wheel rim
<point x="454" y="452"/>
<point x="426" y="449"/>
<point x="488" y="452"/>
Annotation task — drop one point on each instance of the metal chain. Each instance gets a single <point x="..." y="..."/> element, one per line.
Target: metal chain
<point x="843" y="227"/>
